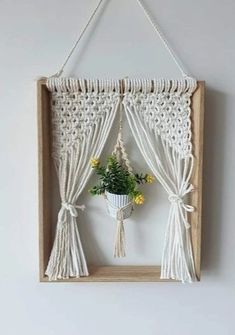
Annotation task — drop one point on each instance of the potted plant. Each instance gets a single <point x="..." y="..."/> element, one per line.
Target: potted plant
<point x="119" y="184"/>
<point x="121" y="189"/>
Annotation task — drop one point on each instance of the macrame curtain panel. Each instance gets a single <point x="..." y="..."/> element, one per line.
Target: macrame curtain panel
<point x="158" y="113"/>
<point x="83" y="112"/>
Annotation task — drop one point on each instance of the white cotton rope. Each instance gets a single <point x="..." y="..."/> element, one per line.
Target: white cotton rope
<point x="122" y="157"/>
<point x="119" y="149"/>
<point x="153" y="24"/>
<point x="59" y="73"/>
<point x="78" y="116"/>
<point x="164" y="40"/>
<point x="119" y="248"/>
<point x="119" y="242"/>
<point x="158" y="113"/>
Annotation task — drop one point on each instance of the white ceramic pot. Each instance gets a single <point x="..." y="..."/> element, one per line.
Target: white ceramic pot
<point x="115" y="201"/>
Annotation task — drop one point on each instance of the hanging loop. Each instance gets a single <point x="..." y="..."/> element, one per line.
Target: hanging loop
<point x="155" y="27"/>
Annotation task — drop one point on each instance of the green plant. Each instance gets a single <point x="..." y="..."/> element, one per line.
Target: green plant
<point x="115" y="178"/>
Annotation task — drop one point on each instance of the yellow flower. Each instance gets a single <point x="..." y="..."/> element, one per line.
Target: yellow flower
<point x="139" y="199"/>
<point x="149" y="179"/>
<point x="94" y="162"/>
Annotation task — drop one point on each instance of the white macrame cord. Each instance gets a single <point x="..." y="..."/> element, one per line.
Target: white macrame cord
<point x="123" y="211"/>
<point x="158" y="113"/>
<point x="151" y="21"/>
<point x="80" y="110"/>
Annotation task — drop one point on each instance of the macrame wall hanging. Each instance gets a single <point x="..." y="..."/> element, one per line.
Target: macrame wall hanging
<point x="158" y="114"/>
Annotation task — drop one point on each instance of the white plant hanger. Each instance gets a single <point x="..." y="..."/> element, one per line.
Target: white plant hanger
<point x="120" y="206"/>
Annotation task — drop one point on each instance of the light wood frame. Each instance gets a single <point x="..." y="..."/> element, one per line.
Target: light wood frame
<point x="112" y="273"/>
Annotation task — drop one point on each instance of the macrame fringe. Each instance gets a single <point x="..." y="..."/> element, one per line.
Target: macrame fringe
<point x="119" y="248"/>
<point x="67" y="259"/>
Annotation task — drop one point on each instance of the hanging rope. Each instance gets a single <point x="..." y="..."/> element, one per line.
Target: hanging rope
<point x="163" y="39"/>
<point x="59" y="73"/>
<point x="153" y="24"/>
<point x="119" y="149"/>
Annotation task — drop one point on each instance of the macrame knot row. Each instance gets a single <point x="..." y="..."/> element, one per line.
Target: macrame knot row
<point x="71" y="208"/>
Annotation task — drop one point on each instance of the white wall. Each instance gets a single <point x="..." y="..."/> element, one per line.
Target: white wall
<point x="35" y="37"/>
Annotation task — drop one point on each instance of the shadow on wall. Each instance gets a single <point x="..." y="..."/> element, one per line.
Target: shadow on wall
<point x="213" y="183"/>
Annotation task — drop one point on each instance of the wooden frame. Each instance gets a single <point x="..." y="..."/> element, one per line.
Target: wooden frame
<point x="112" y="273"/>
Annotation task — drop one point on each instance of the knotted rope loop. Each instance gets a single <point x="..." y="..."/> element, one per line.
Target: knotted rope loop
<point x="174" y="198"/>
<point x="178" y="200"/>
<point x="120" y="214"/>
<point x="67" y="207"/>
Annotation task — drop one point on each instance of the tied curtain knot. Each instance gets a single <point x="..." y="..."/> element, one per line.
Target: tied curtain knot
<point x="69" y="208"/>
<point x="183" y="208"/>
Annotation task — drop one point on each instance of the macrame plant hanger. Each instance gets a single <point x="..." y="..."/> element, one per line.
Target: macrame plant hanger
<point x="177" y="260"/>
<point x="125" y="211"/>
